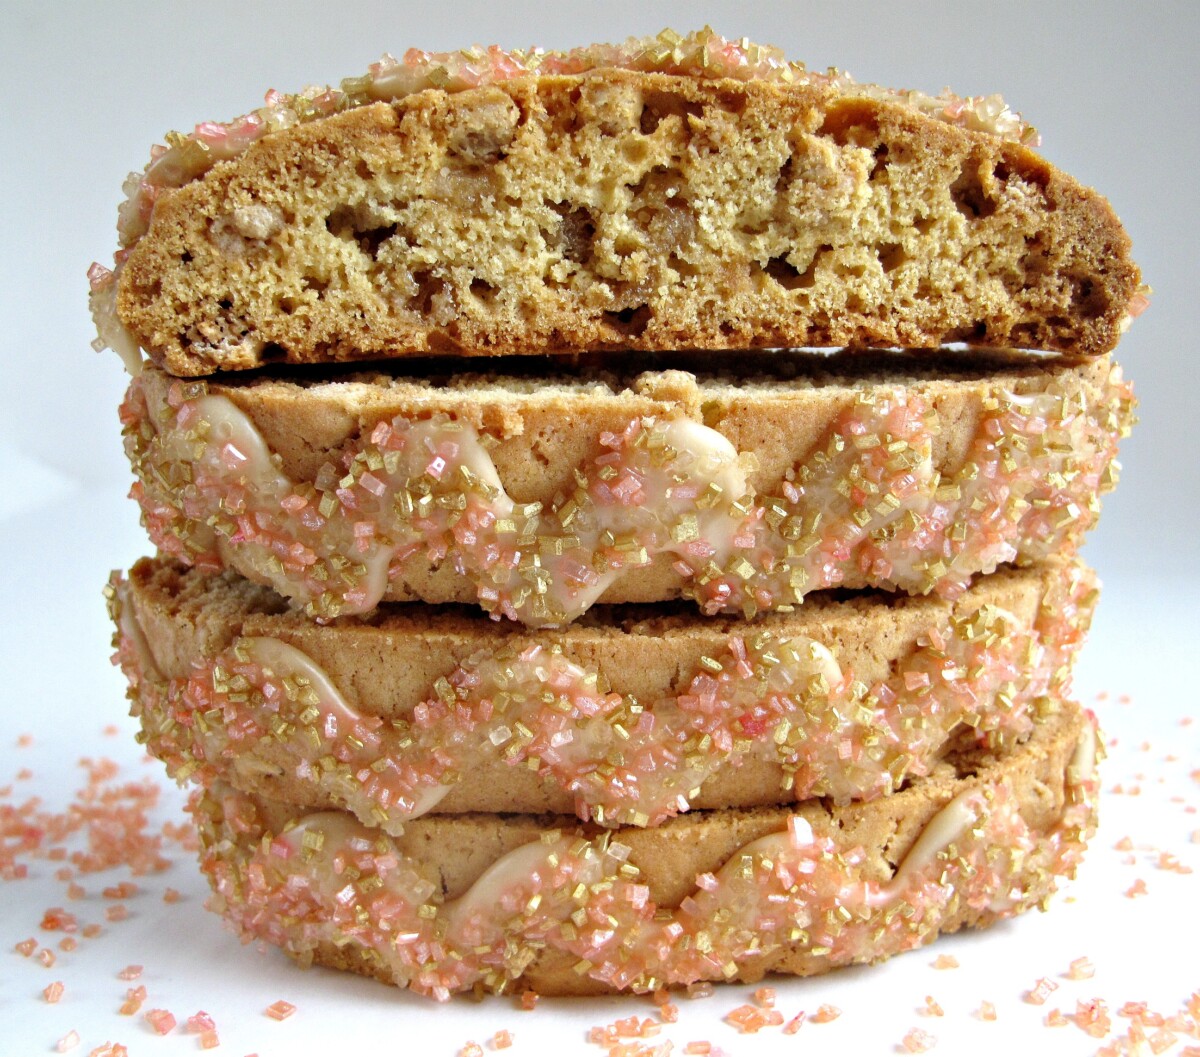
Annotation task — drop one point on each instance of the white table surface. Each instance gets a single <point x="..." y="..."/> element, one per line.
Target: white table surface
<point x="1139" y="672"/>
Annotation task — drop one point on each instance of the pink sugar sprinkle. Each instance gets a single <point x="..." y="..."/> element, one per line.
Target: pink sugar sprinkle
<point x="987" y="1011"/>
<point x="124" y="890"/>
<point x="698" y="1048"/>
<point x="53" y="992"/>
<point x="1055" y="1019"/>
<point x="25" y="740"/>
<point x="161" y="1020"/>
<point x="502" y="1040"/>
<point x="26" y="947"/>
<point x="130" y="972"/>
<point x="529" y="999"/>
<point x="1037" y="995"/>
<point x="1092" y="1017"/>
<point x="471" y="1049"/>
<point x="58" y="920"/>
<point x="68" y="943"/>
<point x="201" y="1021"/>
<point x="109" y="1049"/>
<point x="134" y="997"/>
<point x="1167" y="861"/>
<point x="765" y="996"/>
<point x="825" y="1014"/>
<point x="1138" y="888"/>
<point x="280" y="1010"/>
<point x="91" y="931"/>
<point x="931" y="1008"/>
<point x="1163" y="1040"/>
<point x="751" y="1019"/>
<point x="171" y="896"/>
<point x="68" y="1042"/>
<point x="918" y="1041"/>
<point x="76" y="891"/>
<point x="794" y="1025"/>
<point x="209" y="1040"/>
<point x="46" y="957"/>
<point x="1081" y="969"/>
<point x="945" y="961"/>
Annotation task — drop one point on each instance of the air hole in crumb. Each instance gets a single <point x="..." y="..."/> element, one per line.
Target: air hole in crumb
<point x="315" y="284"/>
<point x="630" y="322"/>
<point x="684" y="269"/>
<point x="787" y="275"/>
<point x="483" y="290"/>
<point x="1091" y="299"/>
<point x="272" y="352"/>
<point x="575" y="233"/>
<point x="347" y="222"/>
<point x="891" y="256"/>
<point x="785" y="174"/>
<point x="658" y="106"/>
<point x="968" y="194"/>
<point x="185" y="257"/>
<point x="851" y="124"/>
<point x="1035" y="262"/>
<point x="428" y="287"/>
<point x="923" y="224"/>
<point x="881" y="161"/>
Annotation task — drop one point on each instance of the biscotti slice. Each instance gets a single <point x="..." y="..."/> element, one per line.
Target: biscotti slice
<point x="537" y="496"/>
<point x="631" y="716"/>
<point x="498" y="902"/>
<point x="696" y="194"/>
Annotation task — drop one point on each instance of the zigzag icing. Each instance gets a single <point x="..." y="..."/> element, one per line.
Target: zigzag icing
<point x="868" y="500"/>
<point x="265" y="707"/>
<point x="326" y="879"/>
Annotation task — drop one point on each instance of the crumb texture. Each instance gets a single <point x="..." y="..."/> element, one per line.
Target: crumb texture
<point x="623" y="210"/>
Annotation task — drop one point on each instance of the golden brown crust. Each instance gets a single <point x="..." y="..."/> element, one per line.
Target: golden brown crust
<point x="387" y="665"/>
<point x="622" y="210"/>
<point x="455" y="851"/>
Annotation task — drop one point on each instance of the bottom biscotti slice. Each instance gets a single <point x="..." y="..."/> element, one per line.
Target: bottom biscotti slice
<point x="629" y="716"/>
<point x="500" y="901"/>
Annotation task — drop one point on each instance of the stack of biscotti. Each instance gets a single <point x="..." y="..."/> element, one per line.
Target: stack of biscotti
<point x="529" y="610"/>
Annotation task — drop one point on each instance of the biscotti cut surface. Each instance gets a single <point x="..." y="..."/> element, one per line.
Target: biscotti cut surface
<point x="609" y="209"/>
<point x="537" y="497"/>
<point x="497" y="902"/>
<point x="629" y="717"/>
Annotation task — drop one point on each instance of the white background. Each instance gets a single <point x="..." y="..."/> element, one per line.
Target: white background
<point x="86" y="87"/>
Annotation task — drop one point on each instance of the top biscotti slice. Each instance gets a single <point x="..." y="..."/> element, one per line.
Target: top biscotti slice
<point x="537" y="496"/>
<point x="662" y="194"/>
